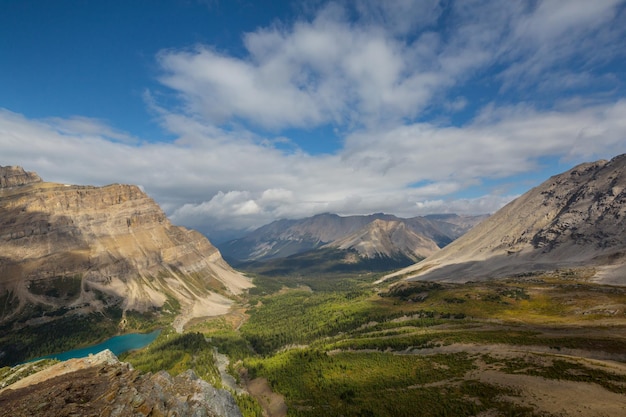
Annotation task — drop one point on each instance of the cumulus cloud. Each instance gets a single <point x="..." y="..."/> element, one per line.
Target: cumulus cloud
<point x="387" y="76"/>
<point x="389" y="64"/>
<point x="328" y="70"/>
<point x="409" y="170"/>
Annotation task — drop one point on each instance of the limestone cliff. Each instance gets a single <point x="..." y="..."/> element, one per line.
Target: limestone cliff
<point x="76" y="249"/>
<point x="13" y="176"/>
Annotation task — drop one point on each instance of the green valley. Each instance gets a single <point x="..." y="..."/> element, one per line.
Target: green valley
<point x="347" y="346"/>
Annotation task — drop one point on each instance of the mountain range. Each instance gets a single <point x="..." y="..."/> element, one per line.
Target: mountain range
<point x="351" y="240"/>
<point x="72" y="250"/>
<point x="574" y="219"/>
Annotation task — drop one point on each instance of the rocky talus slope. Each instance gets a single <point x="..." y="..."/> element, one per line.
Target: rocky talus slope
<point x="573" y="219"/>
<point x="78" y="249"/>
<point x="100" y="385"/>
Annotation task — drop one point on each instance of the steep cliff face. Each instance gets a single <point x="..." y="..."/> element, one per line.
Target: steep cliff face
<point x="577" y="218"/>
<point x="13" y="176"/>
<point x="81" y="248"/>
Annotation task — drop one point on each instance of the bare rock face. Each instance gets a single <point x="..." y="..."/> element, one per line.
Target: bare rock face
<point x="577" y="218"/>
<point x="14" y="176"/>
<point x="81" y="248"/>
<point x="100" y="385"/>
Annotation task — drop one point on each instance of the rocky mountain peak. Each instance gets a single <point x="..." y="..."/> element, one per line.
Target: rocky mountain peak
<point x="577" y="218"/>
<point x="387" y="238"/>
<point x="14" y="176"/>
<point x="68" y="249"/>
<point x="285" y="238"/>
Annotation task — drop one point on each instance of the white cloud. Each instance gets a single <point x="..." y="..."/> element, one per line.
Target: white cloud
<point x="390" y="64"/>
<point x="458" y="104"/>
<point x="219" y="87"/>
<point x="552" y="34"/>
<point x="380" y="79"/>
<point x="502" y="142"/>
<point x="400" y="16"/>
<point x="483" y="204"/>
<point x="238" y="183"/>
<point x="85" y="126"/>
<point x="552" y="19"/>
<point x="328" y="70"/>
<point x="277" y="196"/>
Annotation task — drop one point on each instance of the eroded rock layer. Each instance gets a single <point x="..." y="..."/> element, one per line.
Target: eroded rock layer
<point x="81" y="248"/>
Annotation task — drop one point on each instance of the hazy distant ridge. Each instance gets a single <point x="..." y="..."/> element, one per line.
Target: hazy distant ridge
<point x="375" y="235"/>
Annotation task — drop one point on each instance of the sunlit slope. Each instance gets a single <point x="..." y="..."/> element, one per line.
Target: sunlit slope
<point x="577" y="218"/>
<point x="78" y="249"/>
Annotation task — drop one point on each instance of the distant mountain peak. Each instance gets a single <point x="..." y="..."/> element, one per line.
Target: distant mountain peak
<point x="387" y="238"/>
<point x="371" y="236"/>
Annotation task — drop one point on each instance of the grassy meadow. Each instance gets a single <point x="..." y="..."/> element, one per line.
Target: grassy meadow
<point x="345" y="346"/>
<point x="342" y="345"/>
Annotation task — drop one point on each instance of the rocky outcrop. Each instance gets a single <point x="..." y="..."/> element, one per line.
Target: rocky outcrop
<point x="14" y="176"/>
<point x="577" y="218"/>
<point x="78" y="249"/>
<point x="100" y="385"/>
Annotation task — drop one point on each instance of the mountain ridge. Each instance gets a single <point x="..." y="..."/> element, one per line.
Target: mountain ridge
<point x="68" y="249"/>
<point x="573" y="219"/>
<point x="387" y="238"/>
<point x="285" y="238"/>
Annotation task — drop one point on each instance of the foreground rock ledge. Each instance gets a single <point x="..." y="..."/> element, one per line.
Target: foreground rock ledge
<point x="101" y="385"/>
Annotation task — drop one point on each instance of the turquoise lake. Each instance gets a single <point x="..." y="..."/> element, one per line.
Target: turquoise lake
<point x="116" y="344"/>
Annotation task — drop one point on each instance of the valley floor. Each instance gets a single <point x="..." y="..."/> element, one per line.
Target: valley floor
<point x="550" y="344"/>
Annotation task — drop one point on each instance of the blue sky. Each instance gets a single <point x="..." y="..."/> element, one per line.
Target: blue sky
<point x="233" y="114"/>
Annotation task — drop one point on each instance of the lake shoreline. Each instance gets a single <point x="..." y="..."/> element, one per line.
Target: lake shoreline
<point x="117" y="344"/>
